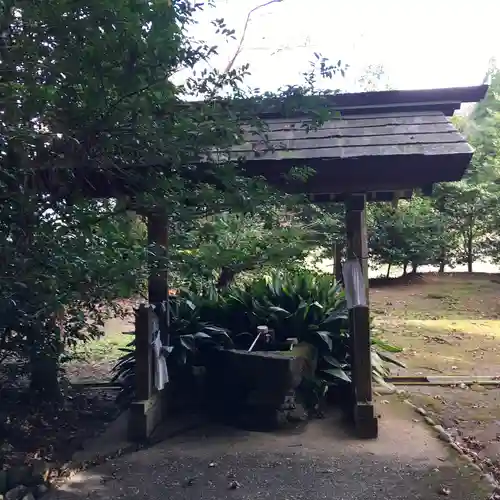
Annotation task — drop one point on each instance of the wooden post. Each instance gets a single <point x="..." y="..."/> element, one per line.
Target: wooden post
<point x="337" y="261"/>
<point x="149" y="408"/>
<point x="359" y="323"/>
<point x="144" y="326"/>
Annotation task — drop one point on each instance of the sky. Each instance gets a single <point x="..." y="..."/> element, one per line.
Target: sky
<point x="419" y="44"/>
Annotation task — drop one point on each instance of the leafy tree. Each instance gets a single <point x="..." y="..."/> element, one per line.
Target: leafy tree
<point x="471" y="206"/>
<point x="411" y="233"/>
<point x="87" y="86"/>
<point x="326" y="226"/>
<point x="468" y="209"/>
<point x="223" y="246"/>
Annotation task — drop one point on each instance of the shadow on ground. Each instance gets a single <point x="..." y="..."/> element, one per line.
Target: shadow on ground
<point x="323" y="462"/>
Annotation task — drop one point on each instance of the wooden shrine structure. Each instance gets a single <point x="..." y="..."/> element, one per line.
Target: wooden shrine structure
<point x="381" y="147"/>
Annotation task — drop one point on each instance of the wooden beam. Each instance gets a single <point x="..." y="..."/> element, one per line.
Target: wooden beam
<point x="359" y="323"/>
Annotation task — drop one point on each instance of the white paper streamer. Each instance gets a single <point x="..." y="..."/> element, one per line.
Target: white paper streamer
<point x="161" y="371"/>
<point x="354" y="284"/>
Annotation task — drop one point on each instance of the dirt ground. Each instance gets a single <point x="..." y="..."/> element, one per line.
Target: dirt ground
<point x="448" y="325"/>
<point x="31" y="428"/>
<point x="319" y="461"/>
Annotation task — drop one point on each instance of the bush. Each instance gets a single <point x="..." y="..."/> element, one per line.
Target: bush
<point x="303" y="305"/>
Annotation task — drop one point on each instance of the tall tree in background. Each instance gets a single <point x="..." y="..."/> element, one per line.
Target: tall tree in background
<point x="472" y="204"/>
<point x="409" y="234"/>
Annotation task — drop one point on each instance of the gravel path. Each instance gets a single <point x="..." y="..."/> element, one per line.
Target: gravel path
<point x="322" y="462"/>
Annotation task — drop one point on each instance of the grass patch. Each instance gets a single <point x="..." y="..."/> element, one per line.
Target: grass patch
<point x="490" y="328"/>
<point x="446" y="324"/>
<point x="107" y="347"/>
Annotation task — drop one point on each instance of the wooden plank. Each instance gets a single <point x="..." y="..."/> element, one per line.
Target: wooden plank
<point x="442" y="149"/>
<point x="443" y="100"/>
<point x="144" y="323"/>
<point x="395" y="114"/>
<point x="370" y="121"/>
<point x="330" y="142"/>
<point x="278" y="135"/>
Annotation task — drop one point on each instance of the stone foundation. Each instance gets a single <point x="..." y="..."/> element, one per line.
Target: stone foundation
<point x="258" y="389"/>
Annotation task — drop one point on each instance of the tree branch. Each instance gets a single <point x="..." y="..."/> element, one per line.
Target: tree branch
<point x="245" y="28"/>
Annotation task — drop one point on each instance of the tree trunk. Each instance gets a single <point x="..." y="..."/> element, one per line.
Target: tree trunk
<point x="414" y="268"/>
<point x="45" y="351"/>
<point x="441" y="266"/>
<point x="405" y="268"/>
<point x="226" y="277"/>
<point x="337" y="261"/>
<point x="44" y="368"/>
<point x="470" y="259"/>
<point x="43" y="335"/>
<point x="388" y="270"/>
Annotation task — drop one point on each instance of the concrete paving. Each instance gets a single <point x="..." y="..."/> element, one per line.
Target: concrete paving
<point x="319" y="462"/>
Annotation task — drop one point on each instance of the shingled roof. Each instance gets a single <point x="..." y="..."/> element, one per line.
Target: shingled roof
<point x="384" y="144"/>
<point x="381" y="142"/>
<point x="403" y="133"/>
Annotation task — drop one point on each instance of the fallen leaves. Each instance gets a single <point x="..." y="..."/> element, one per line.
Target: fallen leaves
<point x="444" y="491"/>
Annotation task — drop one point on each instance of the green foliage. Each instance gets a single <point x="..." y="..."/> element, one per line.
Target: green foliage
<point x="87" y="86"/>
<point x="468" y="208"/>
<point x="188" y="343"/>
<point x="413" y="233"/>
<point x="222" y="247"/>
<point x="304" y="305"/>
<point x="471" y="206"/>
<point x="290" y="303"/>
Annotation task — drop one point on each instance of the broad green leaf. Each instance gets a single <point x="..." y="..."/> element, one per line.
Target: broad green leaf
<point x="335" y="373"/>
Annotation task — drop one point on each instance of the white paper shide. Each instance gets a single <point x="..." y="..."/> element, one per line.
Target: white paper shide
<point x="354" y="284"/>
<point x="161" y="371"/>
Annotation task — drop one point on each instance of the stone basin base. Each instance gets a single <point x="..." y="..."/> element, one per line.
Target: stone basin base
<point x="259" y="389"/>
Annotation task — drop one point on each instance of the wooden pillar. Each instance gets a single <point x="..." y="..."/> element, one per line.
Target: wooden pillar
<point x="148" y="410"/>
<point x="144" y="326"/>
<point x="359" y="323"/>
<point x="337" y="261"/>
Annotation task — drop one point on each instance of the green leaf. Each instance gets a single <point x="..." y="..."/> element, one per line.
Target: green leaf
<point x="190" y="304"/>
<point x="188" y="342"/>
<point x="277" y="309"/>
<point x="324" y="338"/>
<point x="336" y="374"/>
<point x="390" y="359"/>
<point x="336" y="315"/>
<point x="330" y="360"/>
<point x="202" y="335"/>
<point x="385" y="346"/>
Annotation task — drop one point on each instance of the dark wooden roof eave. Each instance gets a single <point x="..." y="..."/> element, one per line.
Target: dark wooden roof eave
<point x="335" y="176"/>
<point x="445" y="100"/>
<point x="366" y="174"/>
